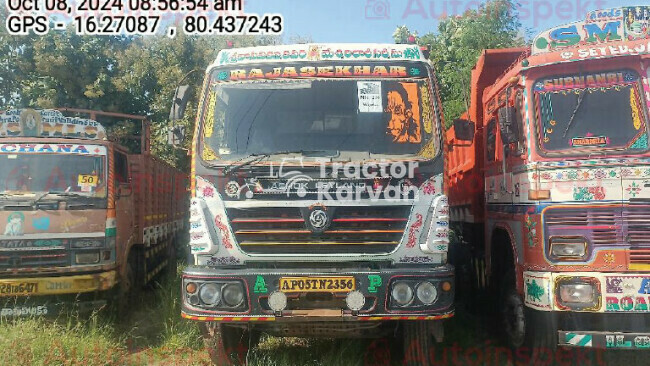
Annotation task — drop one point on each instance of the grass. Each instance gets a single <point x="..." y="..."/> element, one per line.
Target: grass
<point x="155" y="334"/>
<point x="152" y="334"/>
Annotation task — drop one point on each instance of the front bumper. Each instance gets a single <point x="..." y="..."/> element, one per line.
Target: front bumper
<point x="60" y="285"/>
<point x="322" y="306"/>
<point x="604" y="331"/>
<point x="50" y="296"/>
<point x="617" y="318"/>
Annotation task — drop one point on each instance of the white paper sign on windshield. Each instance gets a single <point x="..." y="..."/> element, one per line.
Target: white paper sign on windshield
<point x="370" y="97"/>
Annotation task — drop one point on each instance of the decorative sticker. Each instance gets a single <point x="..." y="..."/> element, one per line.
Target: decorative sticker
<point x="637" y="22"/>
<point x="209" y="117"/>
<point x="627" y="294"/>
<point x="403" y="105"/>
<point x="88" y="180"/>
<point x="589" y="141"/>
<point x="427" y="113"/>
<point x="47" y="123"/>
<point x="537" y="293"/>
<point x="374" y="282"/>
<point x="15" y="223"/>
<point x="370" y="97"/>
<point x="260" y="286"/>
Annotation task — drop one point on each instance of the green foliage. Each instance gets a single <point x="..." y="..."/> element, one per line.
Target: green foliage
<point x="458" y="43"/>
<point x="133" y="75"/>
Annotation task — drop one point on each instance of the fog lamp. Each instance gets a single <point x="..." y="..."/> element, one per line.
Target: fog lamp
<point x="277" y="301"/>
<point x="355" y="300"/>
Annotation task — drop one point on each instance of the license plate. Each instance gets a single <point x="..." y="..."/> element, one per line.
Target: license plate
<point x="317" y="284"/>
<point x="18" y="288"/>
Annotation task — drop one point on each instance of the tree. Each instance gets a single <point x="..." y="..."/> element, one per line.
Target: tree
<point x="133" y="75"/>
<point x="457" y="45"/>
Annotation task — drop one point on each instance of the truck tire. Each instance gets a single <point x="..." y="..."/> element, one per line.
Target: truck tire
<point x="172" y="260"/>
<point x="127" y="287"/>
<point x="531" y="334"/>
<point x="418" y="343"/>
<point x="227" y="345"/>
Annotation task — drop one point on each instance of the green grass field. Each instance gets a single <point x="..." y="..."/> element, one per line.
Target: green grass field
<point x="155" y="334"/>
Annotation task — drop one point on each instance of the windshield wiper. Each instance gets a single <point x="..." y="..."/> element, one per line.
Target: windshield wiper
<point x="60" y="194"/>
<point x="255" y="158"/>
<point x="581" y="97"/>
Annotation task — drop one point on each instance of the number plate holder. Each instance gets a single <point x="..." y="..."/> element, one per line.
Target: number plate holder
<point x="341" y="284"/>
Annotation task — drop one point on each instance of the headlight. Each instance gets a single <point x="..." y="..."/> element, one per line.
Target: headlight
<point x="402" y="293"/>
<point x="568" y="248"/>
<point x="87" y="258"/>
<point x="233" y="294"/>
<point x="210" y="294"/>
<point x="427" y="292"/>
<point x="578" y="293"/>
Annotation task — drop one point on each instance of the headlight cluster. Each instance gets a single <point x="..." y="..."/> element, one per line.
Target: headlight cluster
<point x="87" y="257"/>
<point x="216" y="295"/>
<point x="568" y="248"/>
<point x="84" y="253"/>
<point x="416" y="293"/>
<point x="578" y="293"/>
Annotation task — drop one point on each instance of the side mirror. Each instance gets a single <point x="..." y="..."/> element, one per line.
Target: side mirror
<point x="464" y="129"/>
<point x="508" y="125"/>
<point x="181" y="97"/>
<point x="124" y="190"/>
<point x="176" y="136"/>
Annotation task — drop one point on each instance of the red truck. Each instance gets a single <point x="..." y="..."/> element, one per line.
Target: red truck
<point x="84" y="219"/>
<point x="548" y="175"/>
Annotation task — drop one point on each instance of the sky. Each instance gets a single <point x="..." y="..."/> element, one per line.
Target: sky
<point x="376" y="20"/>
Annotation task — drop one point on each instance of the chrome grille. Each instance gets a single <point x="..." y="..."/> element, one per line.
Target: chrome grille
<point x="34" y="258"/>
<point x="364" y="230"/>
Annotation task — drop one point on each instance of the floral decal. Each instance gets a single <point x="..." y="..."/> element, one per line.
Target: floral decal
<point x="588" y="193"/>
<point x="429" y="188"/>
<point x="609" y="258"/>
<point x="415" y="228"/>
<point x="534" y="291"/>
<point x="225" y="235"/>
<point x="634" y="189"/>
<point x="208" y="192"/>
<point x="532" y="232"/>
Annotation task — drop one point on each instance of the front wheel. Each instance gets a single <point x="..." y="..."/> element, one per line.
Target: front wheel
<point x="227" y="345"/>
<point x="532" y="334"/>
<point x="419" y="342"/>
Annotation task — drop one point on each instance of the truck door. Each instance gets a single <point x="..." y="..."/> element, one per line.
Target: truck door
<point x="123" y="205"/>
<point x="504" y="149"/>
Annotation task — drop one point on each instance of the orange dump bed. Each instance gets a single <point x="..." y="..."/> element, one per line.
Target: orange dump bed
<point x="464" y="160"/>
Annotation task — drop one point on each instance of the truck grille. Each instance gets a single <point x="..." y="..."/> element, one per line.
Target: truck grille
<point x="627" y="226"/>
<point x="32" y="259"/>
<point x="363" y="230"/>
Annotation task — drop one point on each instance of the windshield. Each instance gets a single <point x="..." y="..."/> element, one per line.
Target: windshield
<point x="329" y="116"/>
<point x="30" y="173"/>
<point x="583" y="113"/>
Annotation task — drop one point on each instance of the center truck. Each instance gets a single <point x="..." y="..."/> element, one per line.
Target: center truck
<point x="84" y="220"/>
<point x="317" y="204"/>
<point x="549" y="185"/>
